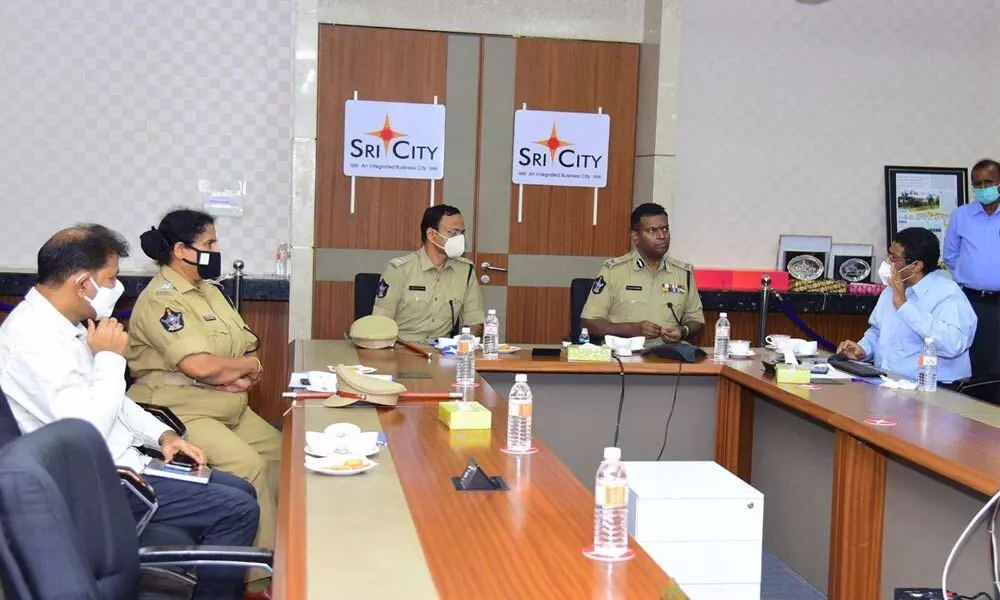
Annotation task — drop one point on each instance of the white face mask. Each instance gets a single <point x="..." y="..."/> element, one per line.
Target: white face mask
<point x="453" y="246"/>
<point x="884" y="272"/>
<point x="104" y="301"/>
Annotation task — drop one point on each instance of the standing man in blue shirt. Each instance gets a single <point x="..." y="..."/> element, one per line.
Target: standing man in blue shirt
<point x="917" y="303"/>
<point x="972" y="253"/>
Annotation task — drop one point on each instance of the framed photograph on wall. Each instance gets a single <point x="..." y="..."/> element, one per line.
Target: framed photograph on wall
<point x="923" y="197"/>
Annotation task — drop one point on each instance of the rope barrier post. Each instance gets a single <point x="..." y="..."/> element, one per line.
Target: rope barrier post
<point x="238" y="285"/>
<point x="765" y="295"/>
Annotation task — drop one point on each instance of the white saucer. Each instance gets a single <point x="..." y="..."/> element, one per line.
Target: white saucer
<point x="311" y="452"/>
<point x="750" y="354"/>
<point x="321" y="465"/>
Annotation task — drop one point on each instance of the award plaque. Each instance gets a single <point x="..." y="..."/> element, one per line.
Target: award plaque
<point x="855" y="270"/>
<point x="806" y="267"/>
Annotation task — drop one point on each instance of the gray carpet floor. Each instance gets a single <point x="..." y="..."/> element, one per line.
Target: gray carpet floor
<point x="779" y="582"/>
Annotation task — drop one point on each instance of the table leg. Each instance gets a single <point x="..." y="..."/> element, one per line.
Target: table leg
<point x="857" y="520"/>
<point x="734" y="428"/>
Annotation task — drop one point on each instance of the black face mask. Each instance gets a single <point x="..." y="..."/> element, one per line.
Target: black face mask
<point x="209" y="263"/>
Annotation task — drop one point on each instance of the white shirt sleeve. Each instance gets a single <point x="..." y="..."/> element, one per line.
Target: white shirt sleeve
<point x="55" y="386"/>
<point x="146" y="428"/>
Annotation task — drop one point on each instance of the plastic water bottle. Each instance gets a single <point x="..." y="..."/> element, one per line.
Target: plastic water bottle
<point x="519" y="404"/>
<point x="491" y="336"/>
<point x="611" y="506"/>
<point x="465" y="372"/>
<point x="584" y="336"/>
<point x="283" y="260"/>
<point x="927" y="372"/>
<point x="722" y="337"/>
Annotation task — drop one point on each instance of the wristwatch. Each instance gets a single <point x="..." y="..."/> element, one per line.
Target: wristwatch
<point x="685" y="330"/>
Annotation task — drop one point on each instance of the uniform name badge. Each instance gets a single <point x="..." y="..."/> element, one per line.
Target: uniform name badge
<point x="673" y="288"/>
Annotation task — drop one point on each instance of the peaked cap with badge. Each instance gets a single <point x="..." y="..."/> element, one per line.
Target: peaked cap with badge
<point x="354" y="387"/>
<point x="374" y="332"/>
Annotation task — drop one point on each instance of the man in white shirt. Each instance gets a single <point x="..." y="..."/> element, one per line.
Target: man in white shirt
<point x="53" y="367"/>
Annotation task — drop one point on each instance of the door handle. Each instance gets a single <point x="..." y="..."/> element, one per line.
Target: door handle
<point x="488" y="267"/>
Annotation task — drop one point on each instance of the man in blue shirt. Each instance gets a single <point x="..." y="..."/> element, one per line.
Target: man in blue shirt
<point x="917" y="303"/>
<point x="972" y="253"/>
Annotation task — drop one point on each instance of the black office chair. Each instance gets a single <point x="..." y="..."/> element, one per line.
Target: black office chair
<point x="579" y="290"/>
<point x="67" y="528"/>
<point x="9" y="431"/>
<point x="986" y="388"/>
<point x="365" y="288"/>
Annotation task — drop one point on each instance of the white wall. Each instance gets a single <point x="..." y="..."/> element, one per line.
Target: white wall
<point x="607" y="20"/>
<point x="112" y="110"/>
<point x="789" y="111"/>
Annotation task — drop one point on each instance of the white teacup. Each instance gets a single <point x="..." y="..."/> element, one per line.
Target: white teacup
<point x="776" y="340"/>
<point x="342" y="430"/>
<point x="321" y="444"/>
<point x="804" y="347"/>
<point x="741" y="347"/>
<point x="362" y="443"/>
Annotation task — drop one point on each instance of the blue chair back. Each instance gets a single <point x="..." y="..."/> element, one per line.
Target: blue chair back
<point x="68" y="530"/>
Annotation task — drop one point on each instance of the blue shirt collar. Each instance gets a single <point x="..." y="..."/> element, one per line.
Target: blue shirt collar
<point x="924" y="285"/>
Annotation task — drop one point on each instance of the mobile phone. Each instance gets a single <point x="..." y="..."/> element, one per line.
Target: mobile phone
<point x="182" y="460"/>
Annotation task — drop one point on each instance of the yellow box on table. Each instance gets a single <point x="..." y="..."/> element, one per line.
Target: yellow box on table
<point x="465" y="415"/>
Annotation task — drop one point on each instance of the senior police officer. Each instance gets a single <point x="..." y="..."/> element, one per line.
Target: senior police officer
<point x="433" y="291"/>
<point x="191" y="351"/>
<point x="645" y="292"/>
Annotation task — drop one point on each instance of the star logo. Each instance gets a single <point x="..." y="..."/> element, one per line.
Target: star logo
<point x="553" y="143"/>
<point x="387" y="134"/>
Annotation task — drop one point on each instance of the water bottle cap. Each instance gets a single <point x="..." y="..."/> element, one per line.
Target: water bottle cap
<point x="466" y="330"/>
<point x="612" y="453"/>
<point x="723" y="315"/>
<point x="521" y="378"/>
<point x="491" y="311"/>
<point x="928" y="340"/>
<point x="584" y="330"/>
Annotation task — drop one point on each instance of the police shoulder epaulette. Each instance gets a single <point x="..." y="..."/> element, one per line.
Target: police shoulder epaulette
<point x="618" y="260"/>
<point x="679" y="263"/>
<point x="462" y="259"/>
<point x="402" y="260"/>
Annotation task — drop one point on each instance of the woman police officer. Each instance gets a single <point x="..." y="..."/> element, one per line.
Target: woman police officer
<point x="191" y="351"/>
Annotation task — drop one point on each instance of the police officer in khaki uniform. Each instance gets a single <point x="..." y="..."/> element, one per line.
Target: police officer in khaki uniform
<point x="645" y="292"/>
<point x="434" y="291"/>
<point x="191" y="351"/>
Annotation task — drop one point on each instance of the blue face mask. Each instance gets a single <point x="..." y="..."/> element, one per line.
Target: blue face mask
<point x="987" y="195"/>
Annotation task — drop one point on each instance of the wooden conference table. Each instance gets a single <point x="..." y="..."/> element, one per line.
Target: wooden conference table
<point x="402" y="531"/>
<point x="873" y="503"/>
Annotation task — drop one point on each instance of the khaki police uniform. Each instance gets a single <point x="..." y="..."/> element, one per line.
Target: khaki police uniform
<point x="425" y="302"/>
<point x="172" y="320"/>
<point x="626" y="291"/>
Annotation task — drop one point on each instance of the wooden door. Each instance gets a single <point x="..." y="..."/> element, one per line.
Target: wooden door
<point x="481" y="80"/>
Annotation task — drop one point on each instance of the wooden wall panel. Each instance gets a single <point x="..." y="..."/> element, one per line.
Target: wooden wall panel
<point x="333" y="309"/>
<point x="578" y="77"/>
<point x="835" y="328"/>
<point x="269" y="320"/>
<point x="385" y="64"/>
<point x="542" y="314"/>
